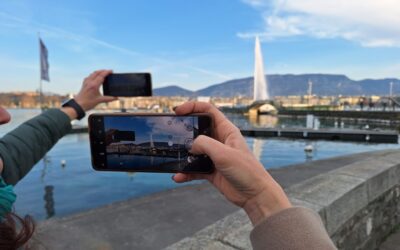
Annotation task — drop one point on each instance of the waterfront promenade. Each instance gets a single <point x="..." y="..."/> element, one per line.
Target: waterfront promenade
<point x="160" y="220"/>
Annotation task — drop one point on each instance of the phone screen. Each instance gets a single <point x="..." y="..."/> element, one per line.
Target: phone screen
<point x="133" y="84"/>
<point x="151" y="143"/>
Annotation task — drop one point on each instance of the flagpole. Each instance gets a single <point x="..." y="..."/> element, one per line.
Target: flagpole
<point x="40" y="77"/>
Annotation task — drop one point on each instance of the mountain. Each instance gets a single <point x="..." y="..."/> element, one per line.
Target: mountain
<point x="172" y="91"/>
<point x="289" y="84"/>
<point x="243" y="87"/>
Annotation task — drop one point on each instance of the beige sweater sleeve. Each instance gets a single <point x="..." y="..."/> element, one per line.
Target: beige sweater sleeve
<point x="293" y="228"/>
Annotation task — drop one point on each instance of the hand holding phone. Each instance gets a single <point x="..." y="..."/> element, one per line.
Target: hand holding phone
<point x="89" y="95"/>
<point x="148" y="142"/>
<point x="238" y="175"/>
<point x="128" y="85"/>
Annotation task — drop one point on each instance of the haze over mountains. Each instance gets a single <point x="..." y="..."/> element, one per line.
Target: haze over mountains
<point x="288" y="84"/>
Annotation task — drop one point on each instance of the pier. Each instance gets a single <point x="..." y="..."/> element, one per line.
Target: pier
<point x="325" y="134"/>
<point x="352" y="135"/>
<point x="379" y="115"/>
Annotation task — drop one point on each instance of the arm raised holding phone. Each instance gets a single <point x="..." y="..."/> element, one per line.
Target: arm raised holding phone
<point x="243" y="180"/>
<point x="23" y="147"/>
<point x="37" y="136"/>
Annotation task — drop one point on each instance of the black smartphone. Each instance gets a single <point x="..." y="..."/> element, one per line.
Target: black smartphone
<point x="129" y="84"/>
<point x="148" y="142"/>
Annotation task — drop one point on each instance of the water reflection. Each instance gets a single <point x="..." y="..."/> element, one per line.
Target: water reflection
<point x="49" y="201"/>
<point x="131" y="175"/>
<point x="265" y="121"/>
<point x="46" y="163"/>
<point x="258" y="145"/>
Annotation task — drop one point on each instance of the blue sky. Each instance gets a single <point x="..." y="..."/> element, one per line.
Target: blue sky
<point x="194" y="44"/>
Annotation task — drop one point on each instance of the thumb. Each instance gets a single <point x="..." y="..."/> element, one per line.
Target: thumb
<point x="219" y="153"/>
<point x="107" y="99"/>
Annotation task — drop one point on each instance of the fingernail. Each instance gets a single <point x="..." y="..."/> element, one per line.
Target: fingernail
<point x="174" y="107"/>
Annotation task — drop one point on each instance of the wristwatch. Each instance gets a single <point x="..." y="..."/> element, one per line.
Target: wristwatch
<point x="78" y="109"/>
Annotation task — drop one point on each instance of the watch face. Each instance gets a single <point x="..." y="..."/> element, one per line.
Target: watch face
<point x="69" y="103"/>
<point x="65" y="103"/>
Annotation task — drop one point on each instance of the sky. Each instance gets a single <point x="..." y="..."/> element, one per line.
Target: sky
<point x="194" y="44"/>
<point x="162" y="128"/>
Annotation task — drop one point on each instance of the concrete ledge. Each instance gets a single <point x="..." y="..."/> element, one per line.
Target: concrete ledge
<point x="232" y="232"/>
<point x="359" y="204"/>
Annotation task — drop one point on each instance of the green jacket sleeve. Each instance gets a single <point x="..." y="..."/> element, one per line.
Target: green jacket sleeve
<point x="23" y="147"/>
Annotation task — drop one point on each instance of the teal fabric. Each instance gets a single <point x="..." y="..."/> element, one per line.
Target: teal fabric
<point x="7" y="198"/>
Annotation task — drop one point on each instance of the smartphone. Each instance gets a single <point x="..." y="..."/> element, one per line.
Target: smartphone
<point x="130" y="84"/>
<point x="148" y="142"/>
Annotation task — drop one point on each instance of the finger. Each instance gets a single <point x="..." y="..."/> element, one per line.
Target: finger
<point x="223" y="127"/>
<point x="99" y="79"/>
<point x="218" y="152"/>
<point x="200" y="107"/>
<point x="182" y="177"/>
<point x="204" y="107"/>
<point x="4" y="116"/>
<point x="93" y="75"/>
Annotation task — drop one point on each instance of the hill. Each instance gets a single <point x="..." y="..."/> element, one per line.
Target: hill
<point x="289" y="84"/>
<point x="172" y="91"/>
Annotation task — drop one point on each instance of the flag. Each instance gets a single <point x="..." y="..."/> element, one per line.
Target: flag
<point x="44" y="62"/>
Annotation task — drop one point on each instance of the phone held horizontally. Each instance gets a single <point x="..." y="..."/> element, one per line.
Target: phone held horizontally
<point x="148" y="142"/>
<point x="128" y="84"/>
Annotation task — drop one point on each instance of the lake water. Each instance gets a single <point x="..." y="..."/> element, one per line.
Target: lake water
<point x="56" y="189"/>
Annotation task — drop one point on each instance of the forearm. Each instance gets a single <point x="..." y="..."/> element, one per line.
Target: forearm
<point x="70" y="112"/>
<point x="292" y="228"/>
<point x="23" y="147"/>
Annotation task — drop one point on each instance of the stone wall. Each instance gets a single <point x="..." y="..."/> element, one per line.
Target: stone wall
<point x="358" y="203"/>
<point x="370" y="226"/>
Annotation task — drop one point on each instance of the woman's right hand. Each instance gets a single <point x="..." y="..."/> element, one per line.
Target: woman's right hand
<point x="239" y="176"/>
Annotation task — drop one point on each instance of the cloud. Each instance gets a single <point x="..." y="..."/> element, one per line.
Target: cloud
<point x="29" y="26"/>
<point x="176" y="127"/>
<point x="370" y="23"/>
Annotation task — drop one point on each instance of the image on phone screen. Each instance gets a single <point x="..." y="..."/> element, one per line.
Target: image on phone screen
<point x="152" y="143"/>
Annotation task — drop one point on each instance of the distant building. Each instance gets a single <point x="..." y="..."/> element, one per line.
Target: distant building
<point x="203" y="98"/>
